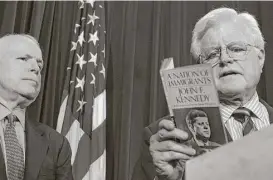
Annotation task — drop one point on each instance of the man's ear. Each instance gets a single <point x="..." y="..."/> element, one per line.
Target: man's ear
<point x="261" y="56"/>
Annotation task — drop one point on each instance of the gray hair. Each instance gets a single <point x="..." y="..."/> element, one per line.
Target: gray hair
<point x="5" y="37"/>
<point x="215" y="17"/>
<point x="21" y="35"/>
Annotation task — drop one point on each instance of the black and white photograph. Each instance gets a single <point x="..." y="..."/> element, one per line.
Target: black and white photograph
<point x="198" y="123"/>
<point x="83" y="95"/>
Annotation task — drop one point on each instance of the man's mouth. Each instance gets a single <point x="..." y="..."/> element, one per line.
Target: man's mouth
<point x="31" y="80"/>
<point x="228" y="73"/>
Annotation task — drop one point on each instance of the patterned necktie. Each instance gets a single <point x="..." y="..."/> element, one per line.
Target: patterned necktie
<point x="14" y="151"/>
<point x="243" y="115"/>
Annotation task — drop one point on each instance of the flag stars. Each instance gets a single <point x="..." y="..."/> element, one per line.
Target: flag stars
<point x="94" y="37"/>
<point x="74" y="46"/>
<point x="76" y="26"/>
<point x="103" y="51"/>
<point x="81" y="103"/>
<point x="102" y="71"/>
<point x="81" y="38"/>
<point x="93" y="59"/>
<point x="82" y="3"/>
<point x="91" y="2"/>
<point x="93" y="79"/>
<point x="92" y="18"/>
<point x="80" y="83"/>
<point x="81" y="61"/>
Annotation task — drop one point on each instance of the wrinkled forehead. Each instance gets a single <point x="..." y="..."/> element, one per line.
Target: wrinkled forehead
<point x="225" y="33"/>
<point x="19" y="45"/>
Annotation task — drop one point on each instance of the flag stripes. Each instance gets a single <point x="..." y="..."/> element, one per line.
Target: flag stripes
<point x="83" y="111"/>
<point x="89" y="151"/>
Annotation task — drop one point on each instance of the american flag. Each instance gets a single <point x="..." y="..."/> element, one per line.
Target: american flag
<point x="83" y="110"/>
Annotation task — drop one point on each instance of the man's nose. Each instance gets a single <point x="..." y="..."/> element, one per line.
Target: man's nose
<point x="34" y="67"/>
<point x="224" y="57"/>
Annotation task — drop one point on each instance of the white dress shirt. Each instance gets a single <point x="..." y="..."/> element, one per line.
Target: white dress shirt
<point x="235" y="128"/>
<point x="19" y="126"/>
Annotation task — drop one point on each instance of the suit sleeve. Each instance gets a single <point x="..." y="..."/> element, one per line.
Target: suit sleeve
<point x="64" y="168"/>
<point x="144" y="168"/>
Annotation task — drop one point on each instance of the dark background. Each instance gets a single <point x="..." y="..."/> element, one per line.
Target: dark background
<point x="139" y="36"/>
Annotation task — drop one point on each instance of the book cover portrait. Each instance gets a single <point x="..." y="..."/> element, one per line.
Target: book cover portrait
<point x="193" y="103"/>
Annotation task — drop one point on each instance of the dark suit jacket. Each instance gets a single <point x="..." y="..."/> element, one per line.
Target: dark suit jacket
<point x="48" y="154"/>
<point x="144" y="168"/>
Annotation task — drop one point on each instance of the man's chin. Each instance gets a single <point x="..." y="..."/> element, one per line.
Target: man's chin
<point x="231" y="91"/>
<point x="29" y="97"/>
<point x="206" y="136"/>
<point x="202" y="137"/>
<point x="235" y="86"/>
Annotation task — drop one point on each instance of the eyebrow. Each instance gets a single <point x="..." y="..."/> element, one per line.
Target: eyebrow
<point x="38" y="59"/>
<point x="210" y="49"/>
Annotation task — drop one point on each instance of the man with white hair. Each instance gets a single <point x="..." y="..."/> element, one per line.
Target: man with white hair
<point x="234" y="46"/>
<point x="28" y="150"/>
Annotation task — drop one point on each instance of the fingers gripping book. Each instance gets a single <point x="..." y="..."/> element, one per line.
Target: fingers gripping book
<point x="193" y="104"/>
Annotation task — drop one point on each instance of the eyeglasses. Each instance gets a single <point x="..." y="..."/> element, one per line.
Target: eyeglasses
<point x="236" y="50"/>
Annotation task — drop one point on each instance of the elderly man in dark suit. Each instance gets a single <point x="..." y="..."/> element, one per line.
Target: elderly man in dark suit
<point x="29" y="150"/>
<point x="234" y="46"/>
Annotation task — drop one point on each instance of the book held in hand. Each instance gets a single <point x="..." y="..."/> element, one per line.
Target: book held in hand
<point x="194" y="105"/>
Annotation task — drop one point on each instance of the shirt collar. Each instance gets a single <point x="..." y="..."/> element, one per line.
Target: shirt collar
<point x="253" y="105"/>
<point x="18" y="112"/>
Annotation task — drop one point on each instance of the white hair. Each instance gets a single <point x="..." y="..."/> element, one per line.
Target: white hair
<point x="11" y="37"/>
<point x="220" y="15"/>
<point x="20" y="35"/>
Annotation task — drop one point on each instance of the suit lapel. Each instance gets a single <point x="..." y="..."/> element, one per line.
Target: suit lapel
<point x="36" y="149"/>
<point x="270" y="116"/>
<point x="270" y="113"/>
<point x="3" y="175"/>
<point x="269" y="110"/>
<point x="228" y="135"/>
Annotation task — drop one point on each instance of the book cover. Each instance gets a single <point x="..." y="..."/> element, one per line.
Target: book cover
<point x="194" y="105"/>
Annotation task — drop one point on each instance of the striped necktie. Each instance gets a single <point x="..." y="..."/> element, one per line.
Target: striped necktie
<point x="243" y="115"/>
<point x="14" y="151"/>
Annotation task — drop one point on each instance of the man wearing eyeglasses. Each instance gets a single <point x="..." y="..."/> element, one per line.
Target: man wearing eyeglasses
<point x="233" y="44"/>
